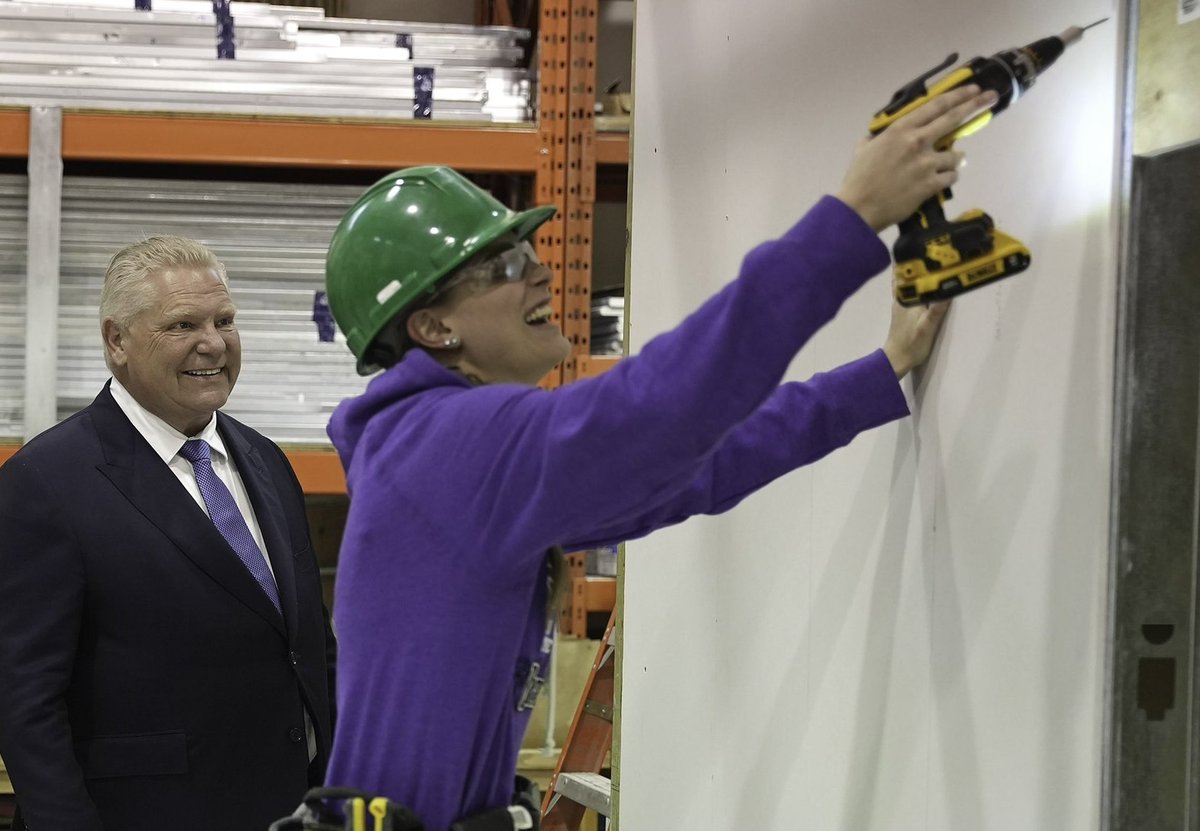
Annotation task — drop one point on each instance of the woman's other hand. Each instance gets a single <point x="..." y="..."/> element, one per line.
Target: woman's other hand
<point x="912" y="334"/>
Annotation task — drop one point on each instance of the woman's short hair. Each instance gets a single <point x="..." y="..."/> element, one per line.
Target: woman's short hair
<point x="124" y="296"/>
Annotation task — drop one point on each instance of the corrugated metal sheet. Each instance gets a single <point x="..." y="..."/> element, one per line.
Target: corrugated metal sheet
<point x="289" y="60"/>
<point x="272" y="239"/>
<point x="14" y="207"/>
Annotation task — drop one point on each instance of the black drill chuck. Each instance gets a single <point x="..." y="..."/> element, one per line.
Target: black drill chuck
<point x="1011" y="72"/>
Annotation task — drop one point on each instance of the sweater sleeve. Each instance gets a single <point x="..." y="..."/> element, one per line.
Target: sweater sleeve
<point x="799" y="424"/>
<point x="593" y="454"/>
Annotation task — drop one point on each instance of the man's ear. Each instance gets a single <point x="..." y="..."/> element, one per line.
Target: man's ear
<point x="426" y="329"/>
<point x="114" y="342"/>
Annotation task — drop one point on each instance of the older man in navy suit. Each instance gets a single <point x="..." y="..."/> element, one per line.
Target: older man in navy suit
<point x="166" y="660"/>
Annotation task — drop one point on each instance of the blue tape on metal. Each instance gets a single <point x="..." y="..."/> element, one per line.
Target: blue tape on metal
<point x="142" y="5"/>
<point x="422" y="91"/>
<point x="323" y="316"/>
<point x="225" y="33"/>
<point x="404" y="41"/>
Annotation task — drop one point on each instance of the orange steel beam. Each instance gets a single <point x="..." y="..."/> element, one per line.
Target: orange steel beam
<point x="177" y="138"/>
<point x="590" y="594"/>
<point x="596" y="594"/>
<point x="319" y="471"/>
<point x="612" y="148"/>
<point x="14" y="132"/>
<point x="200" y="139"/>
<point x="576" y="569"/>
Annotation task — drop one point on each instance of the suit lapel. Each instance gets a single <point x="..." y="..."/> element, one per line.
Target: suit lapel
<point x="264" y="496"/>
<point x="150" y="486"/>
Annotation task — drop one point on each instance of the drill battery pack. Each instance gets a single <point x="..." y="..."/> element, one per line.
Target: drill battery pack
<point x="945" y="259"/>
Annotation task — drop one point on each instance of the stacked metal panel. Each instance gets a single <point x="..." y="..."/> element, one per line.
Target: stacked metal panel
<point x="608" y="323"/>
<point x="272" y="239"/>
<point x="289" y="60"/>
<point x="14" y="207"/>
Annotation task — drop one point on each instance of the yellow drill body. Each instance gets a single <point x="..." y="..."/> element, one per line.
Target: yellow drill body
<point x="936" y="258"/>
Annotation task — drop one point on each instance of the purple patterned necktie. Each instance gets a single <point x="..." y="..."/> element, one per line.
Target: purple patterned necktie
<point x="226" y="516"/>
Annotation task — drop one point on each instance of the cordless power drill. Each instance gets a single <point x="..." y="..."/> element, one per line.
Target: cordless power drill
<point x="936" y="258"/>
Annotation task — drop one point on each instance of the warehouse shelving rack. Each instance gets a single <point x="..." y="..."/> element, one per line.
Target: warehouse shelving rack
<point x="560" y="152"/>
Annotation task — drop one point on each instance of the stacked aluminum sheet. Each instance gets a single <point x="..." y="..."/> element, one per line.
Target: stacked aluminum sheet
<point x="14" y="207"/>
<point x="608" y="323"/>
<point x="272" y="239"/>
<point x="290" y="60"/>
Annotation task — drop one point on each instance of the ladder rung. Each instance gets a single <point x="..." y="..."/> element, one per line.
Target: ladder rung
<point x="591" y="790"/>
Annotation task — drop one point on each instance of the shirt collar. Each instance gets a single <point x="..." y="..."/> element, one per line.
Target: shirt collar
<point x="164" y="439"/>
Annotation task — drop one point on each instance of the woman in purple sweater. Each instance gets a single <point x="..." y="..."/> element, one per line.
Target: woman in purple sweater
<point x="467" y="481"/>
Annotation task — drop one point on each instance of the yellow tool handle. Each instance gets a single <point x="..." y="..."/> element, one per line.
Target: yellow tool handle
<point x="358" y="814"/>
<point x="958" y="77"/>
<point x="954" y="79"/>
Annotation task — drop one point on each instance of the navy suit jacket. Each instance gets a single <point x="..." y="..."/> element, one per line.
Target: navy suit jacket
<point x="146" y="681"/>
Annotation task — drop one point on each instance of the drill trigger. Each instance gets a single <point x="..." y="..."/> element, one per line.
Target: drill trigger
<point x="915" y="88"/>
<point x="974" y="125"/>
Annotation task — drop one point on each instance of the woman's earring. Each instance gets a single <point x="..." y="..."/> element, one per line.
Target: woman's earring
<point x="452" y="342"/>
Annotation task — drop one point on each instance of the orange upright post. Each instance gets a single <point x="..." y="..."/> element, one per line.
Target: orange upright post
<point x="581" y="183"/>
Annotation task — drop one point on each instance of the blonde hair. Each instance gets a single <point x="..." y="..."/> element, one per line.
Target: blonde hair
<point x="124" y="297"/>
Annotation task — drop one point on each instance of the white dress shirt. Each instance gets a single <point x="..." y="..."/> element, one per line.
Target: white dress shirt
<point x="166" y="441"/>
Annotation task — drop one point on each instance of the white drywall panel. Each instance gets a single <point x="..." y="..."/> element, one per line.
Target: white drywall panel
<point x="909" y="634"/>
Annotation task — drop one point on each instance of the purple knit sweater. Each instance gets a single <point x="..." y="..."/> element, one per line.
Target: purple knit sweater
<point x="457" y="492"/>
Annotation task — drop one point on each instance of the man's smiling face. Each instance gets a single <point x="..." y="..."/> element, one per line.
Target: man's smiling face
<point x="180" y="357"/>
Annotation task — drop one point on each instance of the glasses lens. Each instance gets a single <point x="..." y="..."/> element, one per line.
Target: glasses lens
<point x="510" y="264"/>
<point x="506" y="266"/>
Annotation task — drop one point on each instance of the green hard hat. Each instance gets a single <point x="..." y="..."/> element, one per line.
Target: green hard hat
<point x="402" y="238"/>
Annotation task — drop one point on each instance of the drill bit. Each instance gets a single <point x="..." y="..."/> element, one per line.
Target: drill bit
<point x="1074" y="33"/>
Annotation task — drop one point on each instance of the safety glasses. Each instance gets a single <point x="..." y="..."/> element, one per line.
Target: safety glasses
<point x="507" y="266"/>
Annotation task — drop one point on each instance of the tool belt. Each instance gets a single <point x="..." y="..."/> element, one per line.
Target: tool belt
<point x="345" y="809"/>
